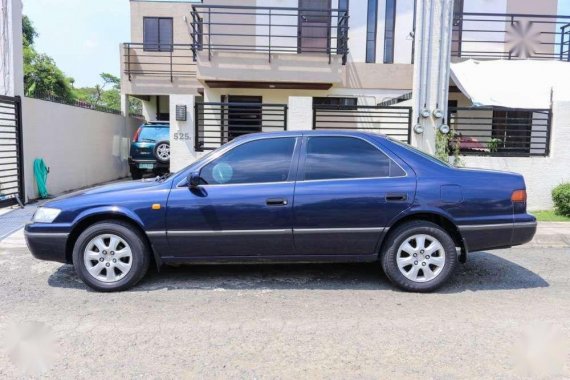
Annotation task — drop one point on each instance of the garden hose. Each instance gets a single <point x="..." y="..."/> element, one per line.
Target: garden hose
<point x="41" y="173"/>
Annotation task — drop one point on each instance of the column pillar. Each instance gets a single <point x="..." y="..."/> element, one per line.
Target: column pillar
<point x="11" y="50"/>
<point x="433" y="33"/>
<point x="182" y="133"/>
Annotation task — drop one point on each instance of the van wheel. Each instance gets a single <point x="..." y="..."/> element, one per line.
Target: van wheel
<point x="111" y="256"/>
<point x="419" y="257"/>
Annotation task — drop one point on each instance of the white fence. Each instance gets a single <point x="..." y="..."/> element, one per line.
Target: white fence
<point x="80" y="146"/>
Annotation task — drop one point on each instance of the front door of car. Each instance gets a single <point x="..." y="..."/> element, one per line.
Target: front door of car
<point x="346" y="194"/>
<point x="242" y="208"/>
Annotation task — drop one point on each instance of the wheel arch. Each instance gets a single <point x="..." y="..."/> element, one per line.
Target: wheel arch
<point x="90" y="219"/>
<point x="437" y="218"/>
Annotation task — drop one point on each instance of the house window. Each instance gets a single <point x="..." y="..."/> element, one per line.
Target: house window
<point x="512" y="131"/>
<point x="371" y="27"/>
<point x="350" y="103"/>
<point x="389" y="31"/>
<point x="157" y="33"/>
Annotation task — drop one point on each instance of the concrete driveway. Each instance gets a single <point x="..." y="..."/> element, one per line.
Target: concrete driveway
<point x="504" y="315"/>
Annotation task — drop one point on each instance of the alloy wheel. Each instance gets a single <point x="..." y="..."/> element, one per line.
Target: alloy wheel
<point x="108" y="258"/>
<point x="163" y="152"/>
<point x="421" y="258"/>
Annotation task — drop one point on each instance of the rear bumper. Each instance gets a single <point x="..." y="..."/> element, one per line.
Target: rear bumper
<point x="47" y="246"/>
<point x="495" y="236"/>
<point x="135" y="162"/>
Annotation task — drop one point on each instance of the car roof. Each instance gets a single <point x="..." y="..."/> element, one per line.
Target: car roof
<point x="335" y="132"/>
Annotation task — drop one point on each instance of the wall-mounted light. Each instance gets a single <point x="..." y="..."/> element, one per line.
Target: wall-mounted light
<point x="181" y="111"/>
<point x="418" y="129"/>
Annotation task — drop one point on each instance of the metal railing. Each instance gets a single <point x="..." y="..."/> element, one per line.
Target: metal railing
<point x="73" y="102"/>
<point x="500" y="132"/>
<point x="509" y="36"/>
<point x="565" y="43"/>
<point x="11" y="168"/>
<point x="395" y="122"/>
<point x="270" y="30"/>
<point x="219" y="123"/>
<point x="159" y="60"/>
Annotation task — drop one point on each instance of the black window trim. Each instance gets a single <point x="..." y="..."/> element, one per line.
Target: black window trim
<point x="292" y="168"/>
<point x="301" y="170"/>
<point x="159" y="45"/>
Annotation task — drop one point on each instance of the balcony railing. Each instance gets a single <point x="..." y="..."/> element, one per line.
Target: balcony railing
<point x="510" y="36"/>
<point x="159" y="60"/>
<point x="565" y="45"/>
<point x="270" y="30"/>
<point x="500" y="131"/>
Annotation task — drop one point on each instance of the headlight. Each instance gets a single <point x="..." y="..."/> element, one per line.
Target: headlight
<point x="45" y="215"/>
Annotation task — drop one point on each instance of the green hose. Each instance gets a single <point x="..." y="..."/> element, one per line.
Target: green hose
<point x="41" y="173"/>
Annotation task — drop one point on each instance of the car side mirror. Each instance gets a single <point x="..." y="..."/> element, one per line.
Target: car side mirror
<point x="194" y="180"/>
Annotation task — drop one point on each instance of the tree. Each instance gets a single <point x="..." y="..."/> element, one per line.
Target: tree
<point x="41" y="74"/>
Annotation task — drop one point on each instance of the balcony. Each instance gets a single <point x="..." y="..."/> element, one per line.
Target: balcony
<point x="511" y="36"/>
<point x="279" y="45"/>
<point x="148" y="67"/>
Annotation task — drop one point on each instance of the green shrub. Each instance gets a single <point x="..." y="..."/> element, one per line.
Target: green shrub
<point x="561" y="199"/>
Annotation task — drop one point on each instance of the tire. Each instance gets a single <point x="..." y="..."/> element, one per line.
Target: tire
<point x="127" y="270"/>
<point x="424" y="272"/>
<point x="136" y="173"/>
<point x="162" y="152"/>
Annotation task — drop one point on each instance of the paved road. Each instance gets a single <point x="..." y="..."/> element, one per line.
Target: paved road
<point x="504" y="315"/>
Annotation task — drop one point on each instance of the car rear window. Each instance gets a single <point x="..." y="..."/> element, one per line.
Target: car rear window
<point x="154" y="134"/>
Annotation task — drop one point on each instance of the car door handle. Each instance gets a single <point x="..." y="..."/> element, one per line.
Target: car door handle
<point x="396" y="197"/>
<point x="276" y="202"/>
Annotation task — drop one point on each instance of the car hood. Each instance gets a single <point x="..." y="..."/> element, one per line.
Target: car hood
<point x="110" y="188"/>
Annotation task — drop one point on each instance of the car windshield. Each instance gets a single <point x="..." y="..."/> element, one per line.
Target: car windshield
<point x="154" y="134"/>
<point x="421" y="153"/>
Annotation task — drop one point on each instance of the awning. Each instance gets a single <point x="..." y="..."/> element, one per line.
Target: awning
<point x="524" y="84"/>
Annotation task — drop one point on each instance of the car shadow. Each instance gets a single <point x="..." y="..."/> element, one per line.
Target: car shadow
<point x="483" y="271"/>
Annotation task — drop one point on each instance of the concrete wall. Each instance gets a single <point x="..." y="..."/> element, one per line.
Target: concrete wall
<point x="541" y="174"/>
<point x="81" y="147"/>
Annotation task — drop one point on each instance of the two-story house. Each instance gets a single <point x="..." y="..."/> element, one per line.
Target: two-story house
<point x="342" y="63"/>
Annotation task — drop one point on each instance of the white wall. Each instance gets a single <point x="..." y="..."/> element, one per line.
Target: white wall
<point x="81" y="147"/>
<point x="541" y="174"/>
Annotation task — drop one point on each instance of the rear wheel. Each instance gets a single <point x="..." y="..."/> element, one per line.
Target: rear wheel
<point x="111" y="256"/>
<point x="420" y="256"/>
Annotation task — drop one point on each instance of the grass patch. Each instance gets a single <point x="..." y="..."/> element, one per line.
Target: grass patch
<point x="549" y="216"/>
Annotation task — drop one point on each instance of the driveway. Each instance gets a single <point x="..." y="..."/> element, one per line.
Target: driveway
<point x="504" y="315"/>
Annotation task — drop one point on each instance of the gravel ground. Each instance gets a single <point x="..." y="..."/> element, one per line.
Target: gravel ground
<point x="505" y="315"/>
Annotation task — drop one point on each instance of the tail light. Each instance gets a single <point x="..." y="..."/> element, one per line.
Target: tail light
<point x="519" y="196"/>
<point x="137" y="134"/>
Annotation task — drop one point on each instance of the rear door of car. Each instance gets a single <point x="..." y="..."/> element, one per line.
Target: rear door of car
<point x="347" y="192"/>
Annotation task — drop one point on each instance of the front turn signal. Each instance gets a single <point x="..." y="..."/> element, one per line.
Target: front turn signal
<point x="519" y="196"/>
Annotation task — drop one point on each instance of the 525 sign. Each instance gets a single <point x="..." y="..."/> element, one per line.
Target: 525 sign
<point x="181" y="136"/>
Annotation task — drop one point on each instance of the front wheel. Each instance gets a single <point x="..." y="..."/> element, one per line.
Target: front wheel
<point x="111" y="256"/>
<point x="420" y="256"/>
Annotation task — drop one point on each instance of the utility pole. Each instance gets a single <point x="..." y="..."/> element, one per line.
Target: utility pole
<point x="432" y="46"/>
<point x="11" y="49"/>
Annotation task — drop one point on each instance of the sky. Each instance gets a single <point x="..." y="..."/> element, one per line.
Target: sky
<point x="83" y="36"/>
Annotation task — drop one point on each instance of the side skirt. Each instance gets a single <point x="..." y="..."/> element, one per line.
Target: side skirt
<point x="298" y="259"/>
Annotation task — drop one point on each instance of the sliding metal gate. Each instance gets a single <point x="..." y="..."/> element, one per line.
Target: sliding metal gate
<point x="11" y="168"/>
<point x="395" y="122"/>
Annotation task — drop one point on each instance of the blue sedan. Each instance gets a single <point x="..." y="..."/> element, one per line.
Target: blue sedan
<point x="290" y="197"/>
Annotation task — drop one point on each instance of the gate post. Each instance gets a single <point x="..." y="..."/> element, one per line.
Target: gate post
<point x="300" y="113"/>
<point x="182" y="132"/>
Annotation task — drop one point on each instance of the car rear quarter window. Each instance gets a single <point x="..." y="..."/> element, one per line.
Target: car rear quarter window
<point x="346" y="157"/>
<point x="267" y="160"/>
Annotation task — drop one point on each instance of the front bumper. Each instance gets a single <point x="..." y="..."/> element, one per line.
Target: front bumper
<point x="47" y="246"/>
